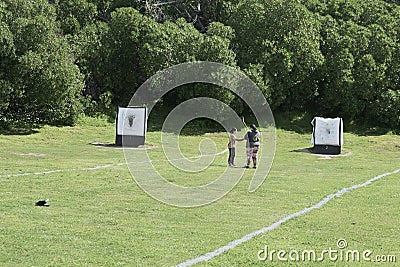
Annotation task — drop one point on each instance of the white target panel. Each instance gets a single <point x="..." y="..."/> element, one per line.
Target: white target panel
<point x="131" y="126"/>
<point x="327" y="131"/>
<point x="132" y="121"/>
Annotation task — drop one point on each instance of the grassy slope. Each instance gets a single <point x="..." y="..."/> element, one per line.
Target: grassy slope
<point x="101" y="217"/>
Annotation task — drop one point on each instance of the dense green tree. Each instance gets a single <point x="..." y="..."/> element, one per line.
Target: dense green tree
<point x="120" y="68"/>
<point x="332" y="58"/>
<point x="248" y="23"/>
<point x="326" y="57"/>
<point x="359" y="50"/>
<point x="284" y="37"/>
<point x="40" y="81"/>
<point x="75" y="14"/>
<point x="138" y="47"/>
<point x="7" y="55"/>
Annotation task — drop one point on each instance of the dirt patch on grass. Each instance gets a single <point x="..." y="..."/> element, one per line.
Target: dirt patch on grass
<point x="324" y="156"/>
<point x="28" y="154"/>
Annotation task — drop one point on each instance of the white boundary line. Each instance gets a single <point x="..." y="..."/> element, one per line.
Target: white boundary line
<point x="231" y="245"/>
<point x="104" y="166"/>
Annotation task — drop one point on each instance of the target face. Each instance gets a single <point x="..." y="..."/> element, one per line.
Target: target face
<point x="327" y="131"/>
<point x="132" y="121"/>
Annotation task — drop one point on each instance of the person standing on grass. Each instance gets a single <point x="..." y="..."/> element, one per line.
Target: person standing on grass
<point x="232" y="147"/>
<point x="252" y="138"/>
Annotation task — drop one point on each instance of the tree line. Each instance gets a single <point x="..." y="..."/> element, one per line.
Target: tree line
<point x="63" y="58"/>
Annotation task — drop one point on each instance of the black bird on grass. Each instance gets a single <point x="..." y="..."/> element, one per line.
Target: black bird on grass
<point x="42" y="203"/>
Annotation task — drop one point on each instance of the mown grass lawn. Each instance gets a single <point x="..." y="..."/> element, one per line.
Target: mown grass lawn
<point x="98" y="216"/>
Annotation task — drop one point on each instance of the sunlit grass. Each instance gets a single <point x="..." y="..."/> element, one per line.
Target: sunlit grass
<point x="100" y="217"/>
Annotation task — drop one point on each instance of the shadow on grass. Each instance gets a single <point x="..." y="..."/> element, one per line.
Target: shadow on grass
<point x="294" y="122"/>
<point x="301" y="123"/>
<point x="368" y="130"/>
<point x="303" y="150"/>
<point x="192" y="128"/>
<point x="110" y="145"/>
<point x="18" y="129"/>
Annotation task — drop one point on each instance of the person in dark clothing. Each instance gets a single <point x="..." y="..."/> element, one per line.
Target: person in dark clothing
<point x="252" y="138"/>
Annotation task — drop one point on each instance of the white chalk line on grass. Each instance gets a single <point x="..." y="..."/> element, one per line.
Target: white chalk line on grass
<point x="233" y="244"/>
<point x="106" y="166"/>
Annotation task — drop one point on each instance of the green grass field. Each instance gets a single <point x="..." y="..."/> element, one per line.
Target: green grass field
<point x="98" y="216"/>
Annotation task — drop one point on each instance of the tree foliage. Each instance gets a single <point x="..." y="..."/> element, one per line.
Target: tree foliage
<point x="39" y="82"/>
<point x="332" y="58"/>
<point x="60" y="58"/>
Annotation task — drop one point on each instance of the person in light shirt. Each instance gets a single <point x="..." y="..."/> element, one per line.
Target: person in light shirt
<point x="232" y="147"/>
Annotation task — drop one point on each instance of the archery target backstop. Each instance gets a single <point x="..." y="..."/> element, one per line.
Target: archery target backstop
<point x="327" y="136"/>
<point x="131" y="126"/>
